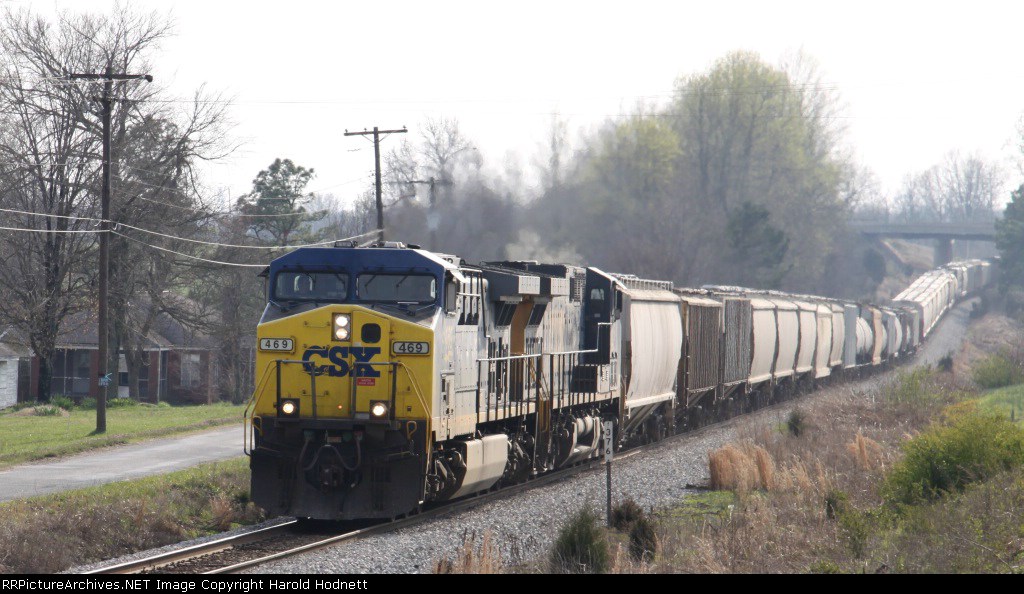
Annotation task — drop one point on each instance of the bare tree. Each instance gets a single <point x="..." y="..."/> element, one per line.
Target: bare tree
<point x="960" y="189"/>
<point x="51" y="140"/>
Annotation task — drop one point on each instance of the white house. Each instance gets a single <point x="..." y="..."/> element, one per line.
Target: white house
<point x="14" y="370"/>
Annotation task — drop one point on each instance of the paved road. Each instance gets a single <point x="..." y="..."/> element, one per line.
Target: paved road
<point x="120" y="463"/>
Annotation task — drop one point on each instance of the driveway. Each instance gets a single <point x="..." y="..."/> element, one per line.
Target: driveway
<point x="120" y="463"/>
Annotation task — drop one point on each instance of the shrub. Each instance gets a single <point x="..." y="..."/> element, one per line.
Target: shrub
<point x="581" y="546"/>
<point x="836" y="502"/>
<point x="997" y="371"/>
<point x="855" y="528"/>
<point x="946" y="363"/>
<point x="625" y="514"/>
<point x="88" y="404"/>
<point x="643" y="542"/>
<point x="911" y="387"/>
<point x="796" y="423"/>
<point x="121" y="403"/>
<point x="63" y="402"/>
<point x="968" y="446"/>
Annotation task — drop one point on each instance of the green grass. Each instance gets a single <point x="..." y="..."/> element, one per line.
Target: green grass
<point x="1005" y="401"/>
<point x="26" y="437"/>
<point x="54" y="532"/>
<point x="698" y="507"/>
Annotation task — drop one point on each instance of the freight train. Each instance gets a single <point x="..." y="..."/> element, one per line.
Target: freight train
<point x="389" y="377"/>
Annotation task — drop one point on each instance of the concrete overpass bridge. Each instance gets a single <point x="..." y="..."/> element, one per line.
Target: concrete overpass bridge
<point x="944" y="234"/>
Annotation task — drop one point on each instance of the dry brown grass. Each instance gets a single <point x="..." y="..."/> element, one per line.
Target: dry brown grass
<point x="482" y="558"/>
<point x="223" y="511"/>
<point x="866" y="452"/>
<point x="623" y="562"/>
<point x="741" y="467"/>
<point x="781" y="522"/>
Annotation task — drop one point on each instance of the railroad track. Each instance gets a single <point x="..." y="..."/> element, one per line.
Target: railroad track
<point x="234" y="553"/>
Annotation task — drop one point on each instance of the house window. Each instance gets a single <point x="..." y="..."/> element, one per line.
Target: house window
<point x="81" y="364"/>
<point x="191" y="371"/>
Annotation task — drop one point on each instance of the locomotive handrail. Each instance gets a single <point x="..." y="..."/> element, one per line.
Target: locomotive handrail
<point x="250" y="409"/>
<point x="587" y="352"/>
<point x="511" y="357"/>
<point x="535" y="355"/>
<point x="416" y="389"/>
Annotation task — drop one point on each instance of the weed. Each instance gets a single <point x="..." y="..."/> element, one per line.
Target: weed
<point x="46" y="410"/>
<point x="856" y="530"/>
<point x="643" y="541"/>
<point x="625" y="514"/>
<point x="836" y="502"/>
<point x="864" y="451"/>
<point x="796" y="423"/>
<point x="741" y="468"/>
<point x="222" y="511"/>
<point x="63" y="402"/>
<point x="911" y="387"/>
<point x="473" y="559"/>
<point x="581" y="546"/>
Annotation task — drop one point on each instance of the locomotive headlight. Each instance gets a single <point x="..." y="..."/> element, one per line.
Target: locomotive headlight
<point x="379" y="409"/>
<point x="342" y="326"/>
<point x="289" y="407"/>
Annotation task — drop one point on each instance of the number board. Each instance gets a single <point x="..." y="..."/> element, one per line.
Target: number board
<point x="411" y="348"/>
<point x="276" y="344"/>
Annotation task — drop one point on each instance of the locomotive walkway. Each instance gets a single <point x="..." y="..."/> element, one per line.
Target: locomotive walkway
<point x="120" y="463"/>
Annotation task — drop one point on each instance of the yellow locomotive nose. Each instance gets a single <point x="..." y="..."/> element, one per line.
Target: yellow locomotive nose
<point x="344" y="361"/>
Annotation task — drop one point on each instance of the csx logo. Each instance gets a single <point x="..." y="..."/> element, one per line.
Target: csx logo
<point x="339" y="365"/>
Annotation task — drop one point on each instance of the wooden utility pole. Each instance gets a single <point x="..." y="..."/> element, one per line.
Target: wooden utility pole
<point x="376" y="156"/>
<point x="106" y="100"/>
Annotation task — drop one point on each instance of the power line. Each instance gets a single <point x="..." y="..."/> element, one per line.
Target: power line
<point x="46" y="214"/>
<point x="221" y="262"/>
<point x="251" y="247"/>
<point x="163" y="249"/>
<point x="52" y="230"/>
<point x="175" y="237"/>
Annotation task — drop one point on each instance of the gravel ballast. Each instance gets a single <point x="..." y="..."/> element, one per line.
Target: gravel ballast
<point x="524" y="526"/>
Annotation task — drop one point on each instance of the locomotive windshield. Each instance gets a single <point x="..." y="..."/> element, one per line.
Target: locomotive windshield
<point x="311" y="286"/>
<point x="396" y="288"/>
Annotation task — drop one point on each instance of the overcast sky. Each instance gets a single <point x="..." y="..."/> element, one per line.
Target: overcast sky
<point x="918" y="79"/>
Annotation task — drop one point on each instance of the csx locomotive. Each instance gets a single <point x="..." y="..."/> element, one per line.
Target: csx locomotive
<point x="390" y="376"/>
